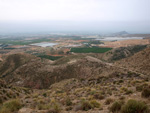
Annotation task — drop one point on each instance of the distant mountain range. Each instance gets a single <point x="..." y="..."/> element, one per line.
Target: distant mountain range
<point x="121" y="33"/>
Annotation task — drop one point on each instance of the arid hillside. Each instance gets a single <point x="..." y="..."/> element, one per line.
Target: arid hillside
<point x="76" y="84"/>
<point x="41" y="74"/>
<point x="29" y="71"/>
<point x="8" y="92"/>
<point x="11" y="62"/>
<point x="122" y="52"/>
<point x="140" y="62"/>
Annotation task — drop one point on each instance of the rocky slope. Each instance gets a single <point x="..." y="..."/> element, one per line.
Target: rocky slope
<point x="8" y="92"/>
<point x="29" y="71"/>
<point x="122" y="52"/>
<point x="11" y="62"/>
<point x="41" y="74"/>
<point x="139" y="62"/>
<point x="82" y="84"/>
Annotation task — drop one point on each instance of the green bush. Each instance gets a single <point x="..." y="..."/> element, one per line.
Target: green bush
<point x="86" y="105"/>
<point x="44" y="94"/>
<point x="145" y="93"/>
<point x="129" y="92"/>
<point x="43" y="106"/>
<point x="54" y="107"/>
<point x="95" y="104"/>
<point x="99" y="96"/>
<point x="1" y="99"/>
<point x="133" y="106"/>
<point x="50" y="57"/>
<point x="11" y="106"/>
<point x="90" y="50"/>
<point x="116" y="107"/>
<point x="139" y="88"/>
<point x="109" y="101"/>
<point x="124" y="89"/>
<point x="68" y="101"/>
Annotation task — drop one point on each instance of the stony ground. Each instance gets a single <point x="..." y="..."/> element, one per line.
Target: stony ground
<point x="79" y="96"/>
<point x="106" y="88"/>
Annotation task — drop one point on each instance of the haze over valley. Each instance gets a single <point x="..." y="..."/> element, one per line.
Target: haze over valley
<point x="69" y="56"/>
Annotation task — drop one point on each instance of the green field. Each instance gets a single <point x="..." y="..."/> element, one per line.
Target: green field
<point x="50" y="57"/>
<point x="22" y="42"/>
<point x="90" y="50"/>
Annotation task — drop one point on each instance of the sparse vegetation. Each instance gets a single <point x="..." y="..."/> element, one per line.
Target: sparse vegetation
<point x="75" y="82"/>
<point x="10" y="106"/>
<point x="85" y="105"/>
<point x="99" y="96"/>
<point x="68" y="101"/>
<point x="42" y="106"/>
<point x="139" y="88"/>
<point x="133" y="106"/>
<point x="108" y="101"/>
<point x="116" y="107"/>
<point x="146" y="92"/>
<point x="95" y="104"/>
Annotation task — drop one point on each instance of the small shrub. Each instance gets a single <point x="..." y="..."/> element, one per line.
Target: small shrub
<point x="44" y="94"/>
<point x="139" y="88"/>
<point x="146" y="93"/>
<point x="99" y="96"/>
<point x="54" y="110"/>
<point x="133" y="106"/>
<point x="1" y="99"/>
<point x="55" y="107"/>
<point x="109" y="92"/>
<point x="17" y="94"/>
<point x="146" y="79"/>
<point x="43" y="106"/>
<point x="122" y="98"/>
<point x="116" y="107"/>
<point x="59" y="91"/>
<point x="35" y="95"/>
<point x="11" y="106"/>
<point x="95" y="104"/>
<point x="92" y="92"/>
<point x="114" y="82"/>
<point x="86" y="105"/>
<point x="129" y="92"/>
<point x="8" y="95"/>
<point x="68" y="108"/>
<point x="129" y="85"/>
<point x="120" y="81"/>
<point x="124" y="89"/>
<point x="109" y="101"/>
<point x="4" y="91"/>
<point x="68" y="101"/>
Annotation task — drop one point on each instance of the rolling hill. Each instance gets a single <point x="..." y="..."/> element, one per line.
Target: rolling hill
<point x="138" y="62"/>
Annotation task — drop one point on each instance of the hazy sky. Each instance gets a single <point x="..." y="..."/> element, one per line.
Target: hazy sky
<point x="103" y="15"/>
